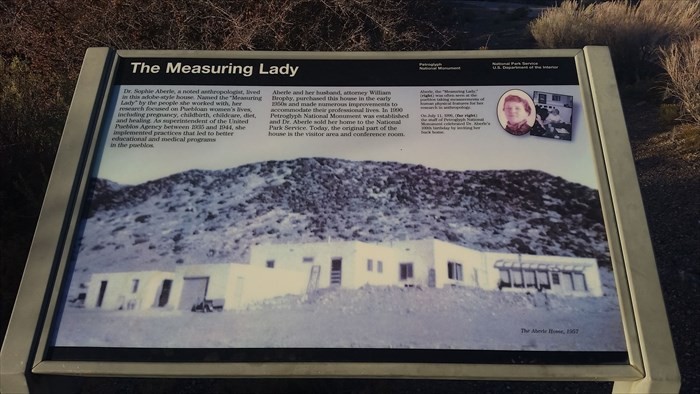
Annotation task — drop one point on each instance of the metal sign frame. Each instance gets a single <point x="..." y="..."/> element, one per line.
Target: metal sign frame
<point x="652" y="364"/>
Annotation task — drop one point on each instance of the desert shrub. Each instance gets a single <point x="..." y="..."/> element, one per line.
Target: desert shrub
<point x="54" y="35"/>
<point x="689" y="137"/>
<point x="669" y="113"/>
<point x="634" y="32"/>
<point x="681" y="62"/>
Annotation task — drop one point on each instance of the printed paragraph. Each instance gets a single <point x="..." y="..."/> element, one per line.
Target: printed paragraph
<point x="147" y="117"/>
<point x="335" y="113"/>
<point x="449" y="110"/>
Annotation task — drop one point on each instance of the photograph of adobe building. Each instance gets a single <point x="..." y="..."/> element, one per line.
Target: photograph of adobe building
<point x="302" y="268"/>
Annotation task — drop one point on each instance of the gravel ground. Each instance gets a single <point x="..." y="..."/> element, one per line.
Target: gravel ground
<point x="370" y="317"/>
<point x="668" y="169"/>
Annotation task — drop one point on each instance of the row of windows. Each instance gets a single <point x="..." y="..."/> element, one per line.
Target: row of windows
<point x="454" y="270"/>
<point x="370" y="266"/>
<point x="406" y="272"/>
<point x="509" y="277"/>
<point x="541" y="279"/>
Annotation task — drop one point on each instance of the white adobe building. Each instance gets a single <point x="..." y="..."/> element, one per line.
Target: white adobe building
<point x="280" y="269"/>
<point x="431" y="263"/>
<point x="349" y="264"/>
<point x="129" y="290"/>
<point x="233" y="286"/>
<point x="230" y="286"/>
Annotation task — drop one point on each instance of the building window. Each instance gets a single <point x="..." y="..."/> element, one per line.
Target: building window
<point x="134" y="285"/>
<point x="517" y="278"/>
<point x="543" y="279"/>
<point x="539" y="278"/>
<point x="580" y="282"/>
<point x="504" y="275"/>
<point x="308" y="260"/>
<point x="556" y="97"/>
<point x="270" y="264"/>
<point x="530" y="278"/>
<point x="454" y="271"/>
<point x="405" y="271"/>
<point x="380" y="266"/>
<point x="370" y="265"/>
<point x="567" y="281"/>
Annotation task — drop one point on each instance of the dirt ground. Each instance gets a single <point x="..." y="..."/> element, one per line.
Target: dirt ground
<point x="668" y="169"/>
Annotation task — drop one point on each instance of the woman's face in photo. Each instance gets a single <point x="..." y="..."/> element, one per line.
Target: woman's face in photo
<point x="515" y="112"/>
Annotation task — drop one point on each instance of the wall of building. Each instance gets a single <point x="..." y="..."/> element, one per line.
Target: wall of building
<point x="472" y="262"/>
<point x="366" y="273"/>
<point x="217" y="285"/>
<point x="119" y="294"/>
<point x="301" y="257"/>
<point x="239" y="285"/>
<point x="421" y="253"/>
<point x="248" y="284"/>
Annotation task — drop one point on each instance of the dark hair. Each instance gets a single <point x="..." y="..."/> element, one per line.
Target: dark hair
<point x="517" y="99"/>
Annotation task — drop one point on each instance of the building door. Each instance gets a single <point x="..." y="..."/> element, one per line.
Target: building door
<point x="194" y="290"/>
<point x="336" y="271"/>
<point x="101" y="295"/>
<point x="164" y="296"/>
<point x="431" y="277"/>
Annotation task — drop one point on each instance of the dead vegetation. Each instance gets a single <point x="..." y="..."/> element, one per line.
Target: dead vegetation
<point x="681" y="61"/>
<point x="634" y="32"/>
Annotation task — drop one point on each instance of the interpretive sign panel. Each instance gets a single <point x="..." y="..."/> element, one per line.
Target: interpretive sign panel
<point x="370" y="211"/>
<point x="344" y="204"/>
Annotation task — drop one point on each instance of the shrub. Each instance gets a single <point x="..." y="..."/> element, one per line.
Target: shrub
<point x="681" y="62"/>
<point x="633" y="32"/>
<point x="54" y="35"/>
<point x="669" y="113"/>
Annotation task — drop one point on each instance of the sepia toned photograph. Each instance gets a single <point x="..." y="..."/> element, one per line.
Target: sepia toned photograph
<point x="516" y="112"/>
<point x="328" y="246"/>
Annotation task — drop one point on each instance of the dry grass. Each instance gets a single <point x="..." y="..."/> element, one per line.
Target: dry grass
<point x="688" y="136"/>
<point x="633" y="32"/>
<point x="54" y="35"/>
<point x="681" y="61"/>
